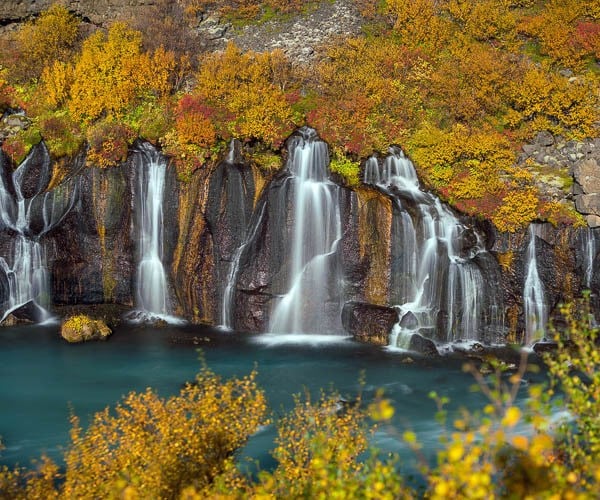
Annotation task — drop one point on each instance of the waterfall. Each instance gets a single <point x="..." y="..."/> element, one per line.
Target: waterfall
<point x="535" y="309"/>
<point x="151" y="285"/>
<point x="589" y="253"/>
<point x="313" y="239"/>
<point x="26" y="267"/>
<point x="441" y="287"/>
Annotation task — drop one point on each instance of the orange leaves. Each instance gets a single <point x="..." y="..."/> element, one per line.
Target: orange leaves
<point x="251" y="88"/>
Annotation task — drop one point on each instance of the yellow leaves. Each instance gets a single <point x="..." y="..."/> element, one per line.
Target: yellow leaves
<point x="112" y="71"/>
<point x="518" y="209"/>
<point x="381" y="410"/>
<point x="51" y="37"/>
<point x="160" y="446"/>
<point x="56" y="82"/>
<point x="511" y="417"/>
<point x="520" y="442"/>
<point x="249" y="88"/>
<point x="455" y="452"/>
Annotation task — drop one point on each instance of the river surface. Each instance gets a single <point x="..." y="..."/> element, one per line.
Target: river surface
<point x="43" y="379"/>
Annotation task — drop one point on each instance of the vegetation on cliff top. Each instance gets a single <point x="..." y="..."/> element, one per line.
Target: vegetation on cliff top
<point x="459" y="84"/>
<point x="185" y="446"/>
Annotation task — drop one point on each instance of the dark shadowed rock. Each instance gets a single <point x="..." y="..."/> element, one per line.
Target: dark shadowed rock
<point x="409" y="321"/>
<point x="422" y="345"/>
<point x="35" y="173"/>
<point x="541" y="348"/>
<point x="369" y="323"/>
<point x="29" y="312"/>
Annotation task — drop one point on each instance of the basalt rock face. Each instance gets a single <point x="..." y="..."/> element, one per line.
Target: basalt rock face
<point x="93" y="252"/>
<point x="234" y="213"/>
<point x="563" y="256"/>
<point x="215" y="210"/>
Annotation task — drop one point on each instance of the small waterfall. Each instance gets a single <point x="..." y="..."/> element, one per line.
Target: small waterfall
<point x="30" y="218"/>
<point x="589" y="253"/>
<point x="151" y="285"/>
<point x="534" y="299"/>
<point x="316" y="231"/>
<point x="441" y="288"/>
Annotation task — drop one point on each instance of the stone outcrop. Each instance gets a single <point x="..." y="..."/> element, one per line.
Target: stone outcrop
<point x="556" y="163"/>
<point x="98" y="12"/>
<point x="369" y="323"/>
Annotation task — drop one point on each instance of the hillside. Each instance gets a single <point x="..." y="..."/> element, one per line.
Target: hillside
<point x="461" y="86"/>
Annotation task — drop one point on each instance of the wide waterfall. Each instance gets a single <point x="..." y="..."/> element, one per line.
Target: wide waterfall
<point x="30" y="213"/>
<point x="437" y="284"/>
<point x="151" y="285"/>
<point x="534" y="299"/>
<point x="312" y="267"/>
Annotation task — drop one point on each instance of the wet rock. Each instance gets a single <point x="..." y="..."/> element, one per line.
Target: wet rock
<point x="28" y="313"/>
<point x="35" y="173"/>
<point x="409" y="321"/>
<point x="82" y="328"/>
<point x="369" y="323"/>
<point x="422" y="345"/>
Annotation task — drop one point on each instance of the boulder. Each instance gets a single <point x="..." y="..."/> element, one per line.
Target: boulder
<point x="587" y="175"/>
<point x="588" y="203"/>
<point x="369" y="323"/>
<point x="25" y="314"/>
<point x="82" y="328"/>
<point x="544" y="138"/>
<point x="422" y="345"/>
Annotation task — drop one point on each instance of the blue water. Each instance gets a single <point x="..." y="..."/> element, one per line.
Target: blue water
<point x="43" y="379"/>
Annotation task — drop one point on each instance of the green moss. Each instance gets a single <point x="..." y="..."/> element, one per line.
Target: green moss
<point x="347" y="168"/>
<point x="267" y="160"/>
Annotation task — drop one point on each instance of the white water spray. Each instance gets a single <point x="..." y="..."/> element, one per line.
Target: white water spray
<point x="314" y="237"/>
<point x="151" y="285"/>
<point x="534" y="299"/>
<point x="26" y="268"/>
<point x="437" y="276"/>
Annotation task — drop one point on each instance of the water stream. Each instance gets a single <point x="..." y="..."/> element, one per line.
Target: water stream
<point x="26" y="267"/>
<point x="314" y="237"/>
<point x="438" y="286"/>
<point x="152" y="295"/>
<point x="534" y="298"/>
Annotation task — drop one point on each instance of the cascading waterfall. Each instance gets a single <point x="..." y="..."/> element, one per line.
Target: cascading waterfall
<point x="151" y="285"/>
<point x="316" y="232"/>
<point x="440" y="288"/>
<point x="534" y="299"/>
<point x="26" y="269"/>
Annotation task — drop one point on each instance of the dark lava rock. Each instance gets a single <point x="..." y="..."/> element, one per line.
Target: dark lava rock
<point x="409" y="321"/>
<point x="28" y="313"/>
<point x="422" y="345"/>
<point x="368" y="322"/>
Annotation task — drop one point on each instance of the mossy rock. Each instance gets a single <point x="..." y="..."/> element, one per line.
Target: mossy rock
<point x="81" y="328"/>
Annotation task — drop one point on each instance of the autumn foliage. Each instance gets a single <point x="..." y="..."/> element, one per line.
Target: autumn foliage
<point x="459" y="84"/>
